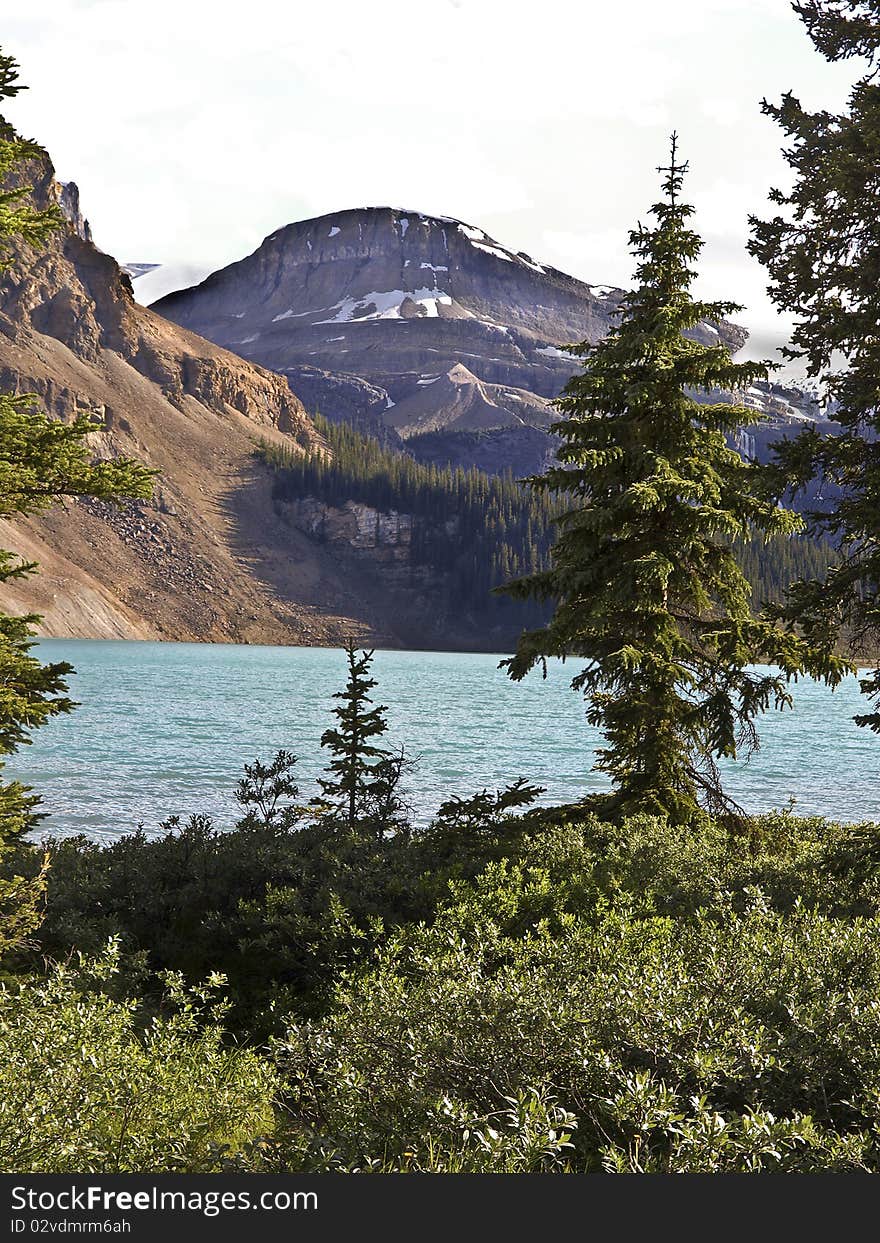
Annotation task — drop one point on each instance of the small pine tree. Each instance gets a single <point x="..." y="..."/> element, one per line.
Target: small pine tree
<point x="362" y="791"/>
<point x="41" y="461"/>
<point x="644" y="575"/>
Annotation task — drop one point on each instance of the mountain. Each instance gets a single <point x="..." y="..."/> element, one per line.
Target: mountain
<point x="237" y="545"/>
<point x="424" y="330"/>
<point x="454" y="332"/>
<point x="209" y="557"/>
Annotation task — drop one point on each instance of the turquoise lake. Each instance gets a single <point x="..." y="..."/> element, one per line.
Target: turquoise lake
<point x="164" y="728"/>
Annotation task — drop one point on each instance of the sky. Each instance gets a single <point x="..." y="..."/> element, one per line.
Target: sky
<point x="194" y="128"/>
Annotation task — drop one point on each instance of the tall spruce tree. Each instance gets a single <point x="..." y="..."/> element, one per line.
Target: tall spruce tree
<point x="41" y="461"/>
<point x="644" y="574"/>
<point x="822" y="252"/>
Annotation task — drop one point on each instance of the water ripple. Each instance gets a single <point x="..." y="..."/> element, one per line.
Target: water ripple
<point x="165" y="728"/>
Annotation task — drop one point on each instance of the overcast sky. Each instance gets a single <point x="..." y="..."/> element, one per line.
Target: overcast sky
<point x="194" y="128"/>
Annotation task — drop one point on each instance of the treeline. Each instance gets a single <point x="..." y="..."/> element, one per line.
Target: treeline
<point x="476" y="531"/>
<point x="472" y="530"/>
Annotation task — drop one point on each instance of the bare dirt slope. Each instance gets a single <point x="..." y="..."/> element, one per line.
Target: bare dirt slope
<point x="207" y="558"/>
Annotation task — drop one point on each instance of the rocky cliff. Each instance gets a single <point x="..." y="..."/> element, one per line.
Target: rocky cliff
<point x="394" y="297"/>
<point x="208" y="557"/>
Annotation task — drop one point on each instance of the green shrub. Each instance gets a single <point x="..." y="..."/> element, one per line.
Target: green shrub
<point x="83" y="1088"/>
<point x="721" y="1041"/>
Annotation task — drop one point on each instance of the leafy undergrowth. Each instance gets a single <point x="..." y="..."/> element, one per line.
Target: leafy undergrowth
<point x="509" y="990"/>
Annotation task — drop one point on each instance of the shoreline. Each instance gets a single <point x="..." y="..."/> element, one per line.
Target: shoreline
<point x="864" y="663"/>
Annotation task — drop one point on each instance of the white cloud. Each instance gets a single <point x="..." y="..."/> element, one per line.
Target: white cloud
<point x="196" y="128"/>
<point x="722" y="110"/>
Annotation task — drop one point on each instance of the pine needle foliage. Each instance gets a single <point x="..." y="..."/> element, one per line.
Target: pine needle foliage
<point x="361" y="791"/>
<point x="473" y="531"/>
<point x="644" y="577"/>
<point x="822" y="252"/>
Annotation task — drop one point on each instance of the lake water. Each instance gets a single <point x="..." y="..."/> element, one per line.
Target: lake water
<point x="164" y="728"/>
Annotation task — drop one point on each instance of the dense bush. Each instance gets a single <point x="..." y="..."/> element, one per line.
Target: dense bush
<point x="85" y="1086"/>
<point x="720" y="1041"/>
<point x="282" y="909"/>
<point x="502" y="991"/>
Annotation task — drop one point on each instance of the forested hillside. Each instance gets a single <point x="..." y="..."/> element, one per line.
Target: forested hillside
<point x="476" y="531"/>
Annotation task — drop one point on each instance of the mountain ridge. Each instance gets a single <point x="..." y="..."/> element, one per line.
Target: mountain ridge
<point x="402" y="301"/>
<point x="207" y="558"/>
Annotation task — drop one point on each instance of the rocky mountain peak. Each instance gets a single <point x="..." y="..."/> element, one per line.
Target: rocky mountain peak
<point x="396" y="298"/>
<point x="420" y="266"/>
<point x="72" y="293"/>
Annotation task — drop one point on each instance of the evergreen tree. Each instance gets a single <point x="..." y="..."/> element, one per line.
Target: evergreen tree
<point x="363" y="788"/>
<point x="41" y="461"/>
<point x="644" y="577"/>
<point x="823" y="256"/>
<point x="474" y="531"/>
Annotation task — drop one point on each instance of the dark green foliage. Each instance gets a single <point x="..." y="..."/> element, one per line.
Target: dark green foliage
<point x="279" y="910"/>
<point x="841" y="29"/>
<point x="484" y="810"/>
<point x="644" y="578"/>
<point x="475" y="532"/>
<point x="665" y="998"/>
<point x="772" y="564"/>
<point x="723" y="1042"/>
<point x="283" y="911"/>
<point x="822" y="252"/>
<point x="18" y="217"/>
<point x="472" y="530"/>
<point x="262" y="790"/>
<point x="362" y="792"/>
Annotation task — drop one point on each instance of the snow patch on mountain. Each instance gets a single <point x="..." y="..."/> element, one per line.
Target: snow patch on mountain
<point x="494" y="250"/>
<point x="291" y="314"/>
<point x="552" y="352"/>
<point x="482" y="241"/>
<point x="136" y="270"/>
<point x="382" y="305"/>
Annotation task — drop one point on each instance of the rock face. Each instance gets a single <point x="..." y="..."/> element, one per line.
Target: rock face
<point x="367" y="541"/>
<point x="208" y="557"/>
<point x="427" y="330"/>
<point x="345" y="399"/>
<point x="67" y="197"/>
<point x="457" y="333"/>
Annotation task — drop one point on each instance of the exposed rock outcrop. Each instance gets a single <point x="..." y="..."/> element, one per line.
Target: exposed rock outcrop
<point x="344" y="398"/>
<point x="454" y="338"/>
<point x="67" y="193"/>
<point x="208" y="557"/>
<point x="380" y="544"/>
